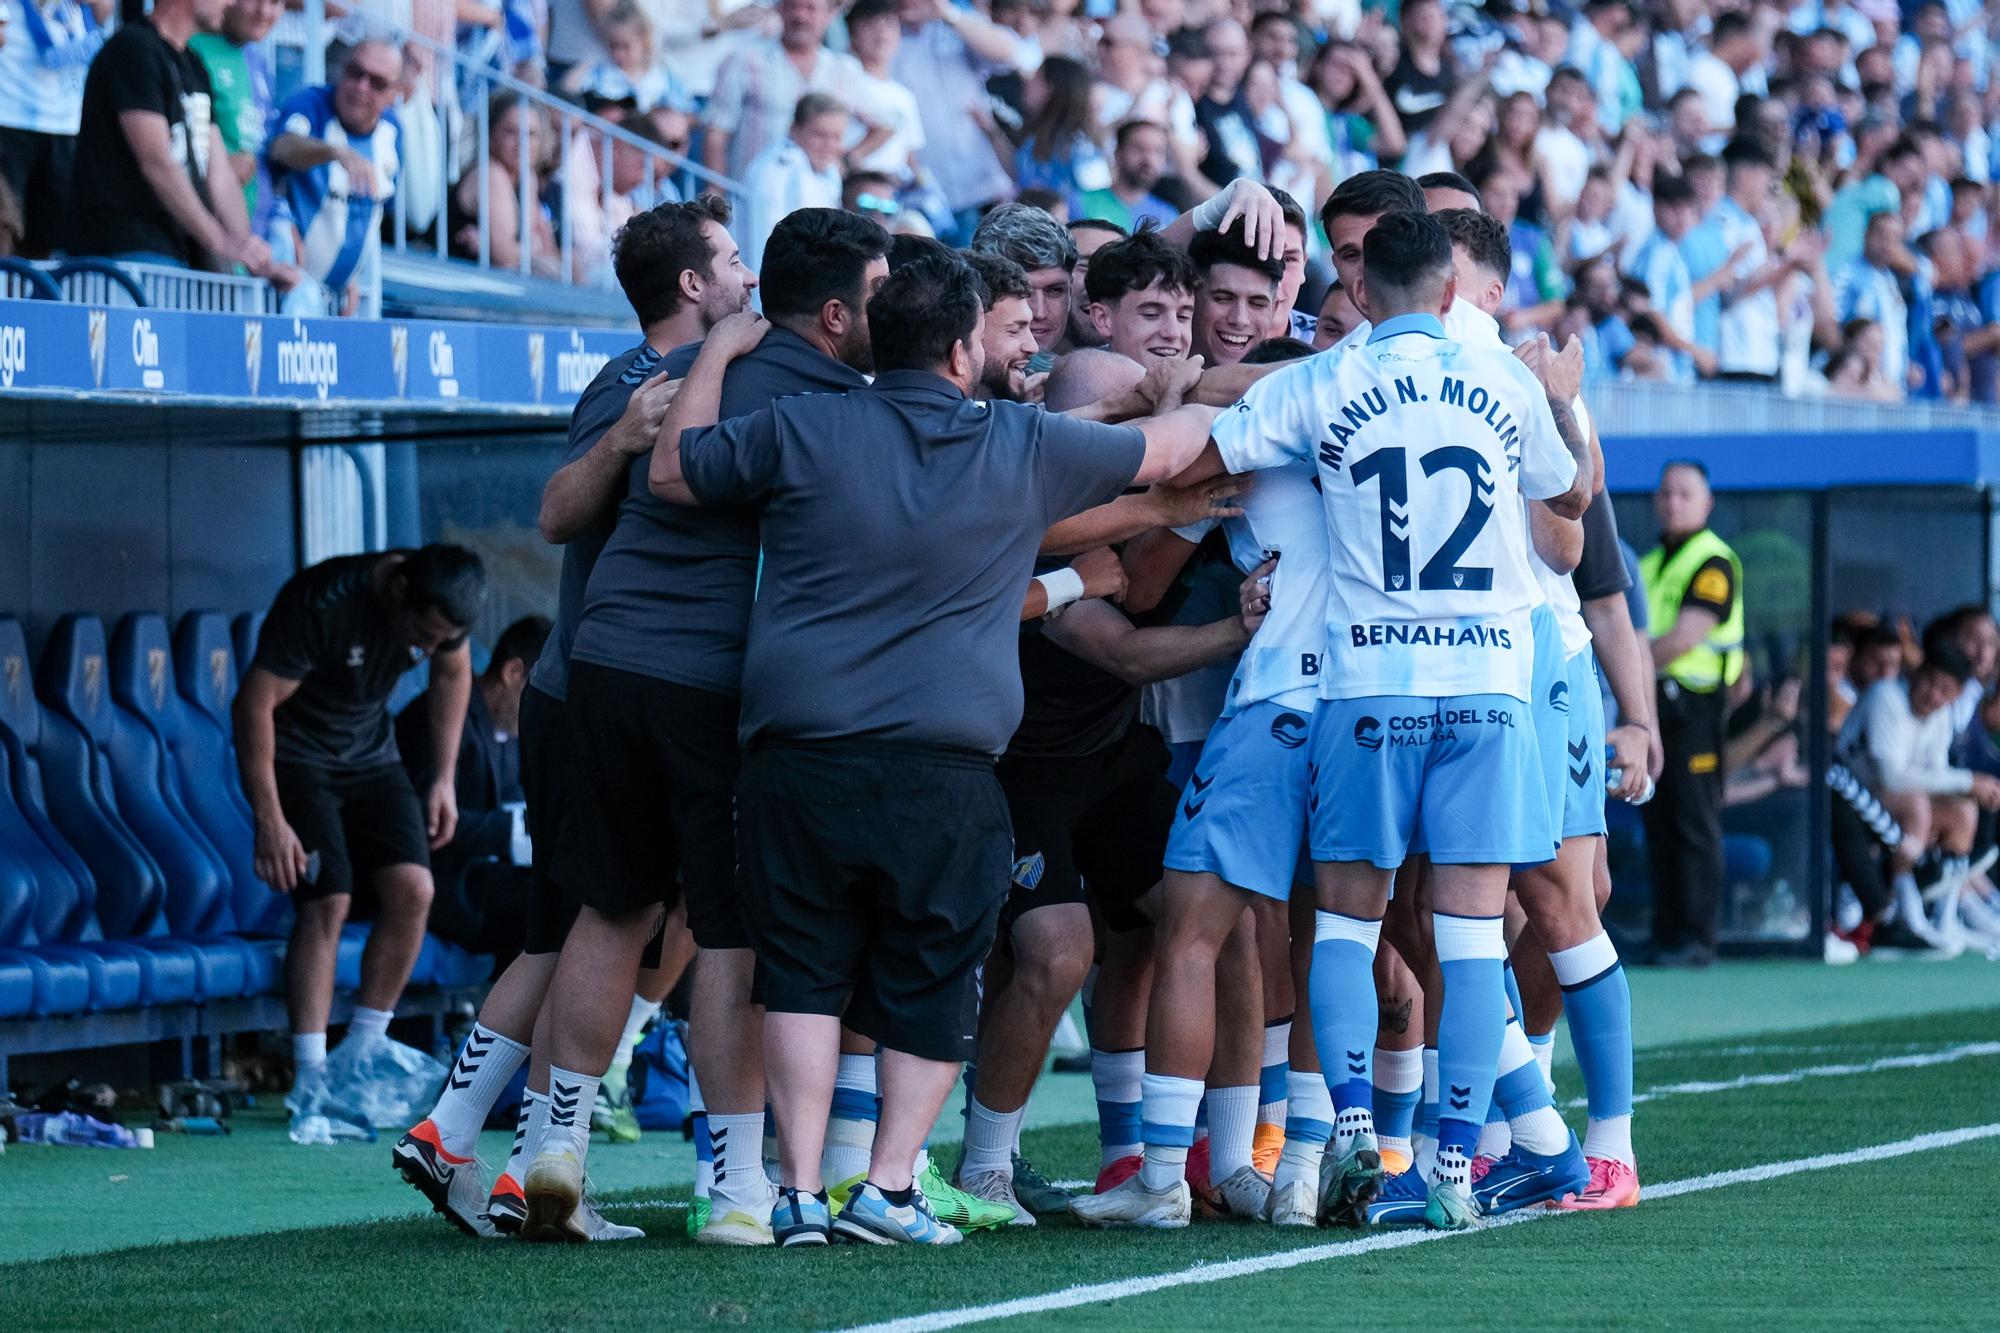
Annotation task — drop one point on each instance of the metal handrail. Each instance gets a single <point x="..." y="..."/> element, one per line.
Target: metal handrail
<point x="455" y="73"/>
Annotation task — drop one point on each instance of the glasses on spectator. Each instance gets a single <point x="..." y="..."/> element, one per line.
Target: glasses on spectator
<point x="381" y="83"/>
<point x="875" y="203"/>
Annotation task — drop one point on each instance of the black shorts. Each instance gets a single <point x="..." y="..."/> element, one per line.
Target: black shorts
<point x="873" y="878"/>
<point x="39" y="167"/>
<point x="652" y="772"/>
<point x="1094" y="825"/>
<point x="358" y="823"/>
<point x="545" y="782"/>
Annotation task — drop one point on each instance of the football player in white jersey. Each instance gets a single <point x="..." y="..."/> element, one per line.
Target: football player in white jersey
<point x="1236" y="838"/>
<point x="1544" y="1162"/>
<point x="1419" y="441"/>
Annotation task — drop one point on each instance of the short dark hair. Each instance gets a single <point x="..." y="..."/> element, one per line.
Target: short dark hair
<point x="1700" y="162"/>
<point x="816" y="255"/>
<point x="652" y="250"/>
<point x="811" y="106"/>
<point x="1371" y="194"/>
<point x="1000" y="276"/>
<point x="1671" y="190"/>
<point x="1096" y="224"/>
<point x="1403" y="250"/>
<point x="1482" y="236"/>
<point x="1947" y="659"/>
<point x="520" y="642"/>
<point x="907" y="248"/>
<point x="1449" y="180"/>
<point x="925" y="309"/>
<point x="449" y="580"/>
<point x="1903" y="145"/>
<point x="1694" y="465"/>
<point x="874" y="9"/>
<point x="1947" y="628"/>
<point x="1743" y="151"/>
<point x="1728" y="24"/>
<point x="1141" y="260"/>
<point x="1209" y="248"/>
<point x="1272" y="351"/>
<point x="1029" y="236"/>
<point x="1294" y="211"/>
<point x="1265" y="16"/>
<point x="1127" y="128"/>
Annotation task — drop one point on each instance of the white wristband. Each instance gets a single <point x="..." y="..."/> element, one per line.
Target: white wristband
<point x="1207" y="215"/>
<point x="1063" y="586"/>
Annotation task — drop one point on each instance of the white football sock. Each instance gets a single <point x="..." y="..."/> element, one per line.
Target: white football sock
<point x="367" y="1022"/>
<point x="989" y="1139"/>
<point x="1232" y="1126"/>
<point x="529" y="1122"/>
<point x="571" y="1095"/>
<point x="1610" y="1137"/>
<point x="308" y="1050"/>
<point x="739" y="1162"/>
<point x="485" y="1065"/>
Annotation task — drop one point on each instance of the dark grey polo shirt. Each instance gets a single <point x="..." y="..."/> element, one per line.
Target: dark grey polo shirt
<point x="670" y="595"/>
<point x="900" y="525"/>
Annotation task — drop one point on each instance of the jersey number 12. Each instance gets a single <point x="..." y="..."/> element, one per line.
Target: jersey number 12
<point x="1441" y="572"/>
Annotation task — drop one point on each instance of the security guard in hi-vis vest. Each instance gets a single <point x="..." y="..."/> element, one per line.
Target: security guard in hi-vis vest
<point x="1694" y="597"/>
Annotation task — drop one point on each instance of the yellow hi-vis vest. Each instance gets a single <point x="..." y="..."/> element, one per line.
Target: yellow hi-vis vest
<point x="1717" y="660"/>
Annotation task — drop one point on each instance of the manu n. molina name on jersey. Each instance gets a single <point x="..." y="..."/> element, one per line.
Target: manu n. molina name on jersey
<point x="1475" y="399"/>
<point x="1475" y="635"/>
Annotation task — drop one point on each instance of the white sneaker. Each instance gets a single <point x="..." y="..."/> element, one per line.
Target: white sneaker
<point x="558" y="1209"/>
<point x="553" y="1189"/>
<point x="454" y="1185"/>
<point x="1243" y="1194"/>
<point x="735" y="1222"/>
<point x="587" y="1224"/>
<point x="1293" y="1204"/>
<point x="1131" y="1204"/>
<point x="996" y="1187"/>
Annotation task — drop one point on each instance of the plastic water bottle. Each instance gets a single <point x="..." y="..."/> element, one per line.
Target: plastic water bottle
<point x="68" y="1127"/>
<point x="1613" y="775"/>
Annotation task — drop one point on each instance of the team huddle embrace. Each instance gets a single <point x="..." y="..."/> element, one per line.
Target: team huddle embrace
<point x="971" y="630"/>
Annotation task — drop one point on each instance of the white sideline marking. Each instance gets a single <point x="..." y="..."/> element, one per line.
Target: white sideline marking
<point x="1922" y="1060"/>
<point x="1202" y="1274"/>
<point x="1919" y="1060"/>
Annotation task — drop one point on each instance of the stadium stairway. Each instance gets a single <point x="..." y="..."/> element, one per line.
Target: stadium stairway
<point x="130" y="908"/>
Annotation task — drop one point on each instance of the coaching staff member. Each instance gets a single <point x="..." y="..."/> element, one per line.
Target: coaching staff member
<point x="899" y="524"/>
<point x="318" y="756"/>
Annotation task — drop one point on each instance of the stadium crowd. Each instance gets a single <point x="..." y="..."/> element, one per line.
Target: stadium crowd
<point x="1795" y="194"/>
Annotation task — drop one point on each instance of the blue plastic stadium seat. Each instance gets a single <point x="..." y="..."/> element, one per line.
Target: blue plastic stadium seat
<point x="82" y="803"/>
<point x="17" y="985"/>
<point x="74" y="969"/>
<point x="176" y="754"/>
<point x="347" y="962"/>
<point x="204" y="670"/>
<point x="452" y="967"/>
<point x="81" y="684"/>
<point x="243" y="632"/>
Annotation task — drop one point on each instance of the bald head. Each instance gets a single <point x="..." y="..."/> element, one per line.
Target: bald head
<point x="1088" y="376"/>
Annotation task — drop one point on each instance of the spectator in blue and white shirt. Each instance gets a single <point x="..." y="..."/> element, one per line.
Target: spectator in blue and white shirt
<point x="334" y="163"/>
<point x="49" y="45"/>
<point x="1869" y="289"/>
<point x="1659" y="264"/>
<point x="801" y="170"/>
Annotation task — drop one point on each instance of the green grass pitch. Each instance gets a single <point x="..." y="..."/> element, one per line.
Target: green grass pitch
<point x="1907" y="1241"/>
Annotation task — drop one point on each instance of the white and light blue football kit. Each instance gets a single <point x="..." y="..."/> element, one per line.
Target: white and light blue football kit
<point x="1242" y="815"/>
<point x="1568" y="701"/>
<point x="1420" y="442"/>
